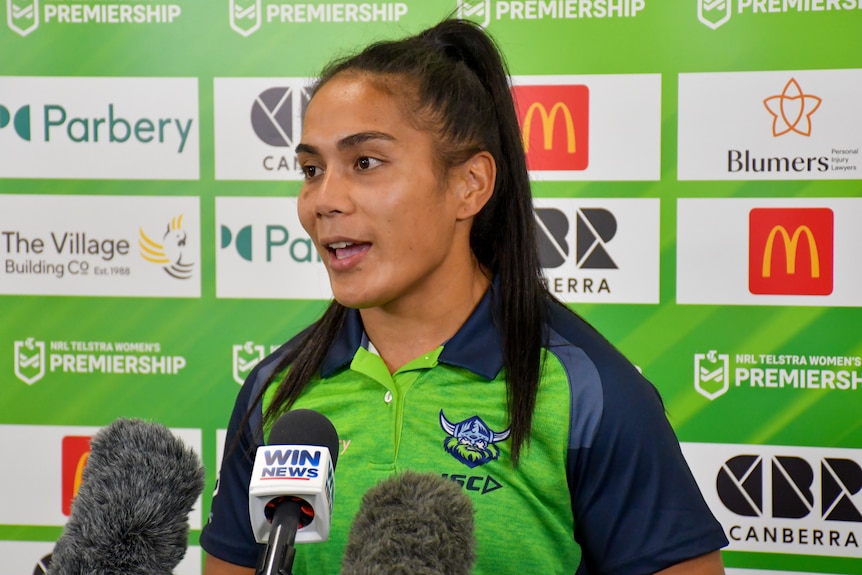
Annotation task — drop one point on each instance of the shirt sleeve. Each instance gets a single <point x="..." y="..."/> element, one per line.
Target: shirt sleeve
<point x="228" y="534"/>
<point x="636" y="505"/>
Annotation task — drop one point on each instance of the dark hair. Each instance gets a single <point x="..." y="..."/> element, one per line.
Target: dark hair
<point x="457" y="88"/>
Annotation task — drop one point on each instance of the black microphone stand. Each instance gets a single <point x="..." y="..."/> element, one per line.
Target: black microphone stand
<point x="277" y="558"/>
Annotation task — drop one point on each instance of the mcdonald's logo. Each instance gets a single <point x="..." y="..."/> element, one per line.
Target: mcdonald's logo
<point x="790" y="251"/>
<point x="76" y="450"/>
<point x="554" y="125"/>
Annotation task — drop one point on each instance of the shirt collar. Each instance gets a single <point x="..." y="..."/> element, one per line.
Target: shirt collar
<point x="477" y="346"/>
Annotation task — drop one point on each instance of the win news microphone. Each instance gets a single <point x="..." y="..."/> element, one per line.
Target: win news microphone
<point x="291" y="487"/>
<point x="412" y="524"/>
<point x="131" y="512"/>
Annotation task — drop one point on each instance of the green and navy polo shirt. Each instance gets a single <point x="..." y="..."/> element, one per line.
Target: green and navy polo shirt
<point x="602" y="486"/>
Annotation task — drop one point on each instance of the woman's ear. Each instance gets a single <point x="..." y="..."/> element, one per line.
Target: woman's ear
<point x="476" y="178"/>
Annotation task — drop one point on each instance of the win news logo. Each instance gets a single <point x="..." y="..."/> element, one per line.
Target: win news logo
<point x="554" y="123"/>
<point x="790" y="251"/>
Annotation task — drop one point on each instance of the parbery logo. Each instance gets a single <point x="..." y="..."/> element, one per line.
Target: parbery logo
<point x="22" y="16"/>
<point x="20" y="121"/>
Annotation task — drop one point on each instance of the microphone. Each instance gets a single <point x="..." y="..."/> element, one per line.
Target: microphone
<point x="412" y="524"/>
<point x="291" y="487"/>
<point x="130" y="515"/>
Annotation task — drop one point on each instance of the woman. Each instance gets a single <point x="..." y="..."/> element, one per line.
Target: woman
<point x="443" y="352"/>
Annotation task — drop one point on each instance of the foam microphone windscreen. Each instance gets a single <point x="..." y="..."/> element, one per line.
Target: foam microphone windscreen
<point x="130" y="515"/>
<point x="412" y="524"/>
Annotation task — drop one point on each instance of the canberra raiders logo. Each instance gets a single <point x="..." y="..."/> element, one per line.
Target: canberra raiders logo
<point x="471" y="441"/>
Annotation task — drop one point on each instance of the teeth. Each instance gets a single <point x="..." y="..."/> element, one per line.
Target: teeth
<point x="339" y="245"/>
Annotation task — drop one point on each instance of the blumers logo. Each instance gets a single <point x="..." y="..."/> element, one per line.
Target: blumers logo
<point x="791" y="110"/>
<point x="103" y="128"/>
<point x="798" y="125"/>
<point x="483" y="12"/>
<point x="599" y="250"/>
<point x="22" y="16"/>
<point x="555" y="125"/>
<point x="791" y="251"/>
<point x="716" y="374"/>
<point x="30" y="360"/>
<point x="262" y="251"/>
<point x="245" y="16"/>
<point x="783" y="499"/>
<point x="169" y="251"/>
<point x="711" y="374"/>
<point x="75" y="450"/>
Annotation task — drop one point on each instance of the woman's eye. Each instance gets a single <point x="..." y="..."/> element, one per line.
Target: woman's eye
<point x="366" y="163"/>
<point x="310" y="171"/>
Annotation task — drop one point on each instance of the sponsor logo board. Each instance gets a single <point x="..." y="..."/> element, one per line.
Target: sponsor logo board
<point x="769" y="251"/>
<point x="782" y="499"/>
<point x="258" y="122"/>
<point x="716" y="13"/>
<point x="247" y="16"/>
<point x="262" y="252"/>
<point x="600" y="250"/>
<point x="35" y="360"/>
<point x="99" y="128"/>
<point x="717" y="373"/>
<point x="793" y="125"/>
<point x="100" y="246"/>
<point x="38" y="498"/>
<point x="596" y="127"/>
<point x="484" y="12"/>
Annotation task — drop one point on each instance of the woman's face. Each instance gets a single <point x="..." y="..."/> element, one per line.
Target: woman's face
<point x="389" y="229"/>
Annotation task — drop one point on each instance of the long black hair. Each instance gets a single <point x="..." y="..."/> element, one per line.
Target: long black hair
<point x="454" y="81"/>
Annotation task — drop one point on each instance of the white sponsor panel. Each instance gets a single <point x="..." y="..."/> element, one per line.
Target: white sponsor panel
<point x="24" y="556"/>
<point x="262" y="251"/>
<point x="600" y="250"/>
<point x="99" y="128"/>
<point x="777" y="125"/>
<point x="782" y="499"/>
<point x="714" y="251"/>
<point x="258" y="122"/>
<point x="28" y="498"/>
<point x="123" y="246"/>
<point x="624" y="126"/>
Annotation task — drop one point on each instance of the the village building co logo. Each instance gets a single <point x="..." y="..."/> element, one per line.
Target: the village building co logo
<point x="22" y="16"/>
<point x="29" y="360"/>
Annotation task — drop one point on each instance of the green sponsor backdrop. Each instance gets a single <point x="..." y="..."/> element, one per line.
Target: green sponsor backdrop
<point x="664" y="37"/>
